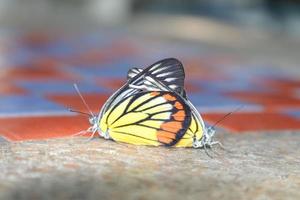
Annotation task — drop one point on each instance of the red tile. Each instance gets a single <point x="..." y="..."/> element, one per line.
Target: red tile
<point x="117" y="50"/>
<point x="192" y="87"/>
<point x="111" y="83"/>
<point x="73" y="101"/>
<point x="31" y="128"/>
<point x="285" y="86"/>
<point x="10" y="89"/>
<point x="36" y="39"/>
<point x="283" y="83"/>
<point x="269" y="100"/>
<point x="40" y="62"/>
<point x="240" y="122"/>
<point x="199" y="69"/>
<point x="36" y="73"/>
<point x="46" y="62"/>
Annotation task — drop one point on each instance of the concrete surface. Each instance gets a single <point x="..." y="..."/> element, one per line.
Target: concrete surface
<point x="256" y="166"/>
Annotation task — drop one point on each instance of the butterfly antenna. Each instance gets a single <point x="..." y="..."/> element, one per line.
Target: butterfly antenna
<point x="228" y="114"/>
<point x="77" y="111"/>
<point x="82" y="99"/>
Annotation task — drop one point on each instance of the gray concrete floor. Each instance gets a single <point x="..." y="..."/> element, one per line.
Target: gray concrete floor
<point x="255" y="166"/>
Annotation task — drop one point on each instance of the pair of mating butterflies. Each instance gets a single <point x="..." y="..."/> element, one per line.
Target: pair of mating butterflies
<point x="152" y="108"/>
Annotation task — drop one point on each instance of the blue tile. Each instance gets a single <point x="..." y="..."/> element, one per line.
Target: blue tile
<point x="111" y="69"/>
<point x="250" y="73"/>
<point x="210" y="99"/>
<point x="21" y="56"/>
<point x="292" y="112"/>
<point x="56" y="87"/>
<point x="228" y="86"/>
<point x="18" y="104"/>
<point x="58" y="49"/>
<point x="213" y="102"/>
<point x="91" y="40"/>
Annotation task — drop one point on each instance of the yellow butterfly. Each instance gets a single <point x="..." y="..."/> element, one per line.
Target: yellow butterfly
<point x="151" y="108"/>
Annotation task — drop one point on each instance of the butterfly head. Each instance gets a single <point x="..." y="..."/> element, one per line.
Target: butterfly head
<point x="206" y="140"/>
<point x="208" y="137"/>
<point x="93" y="120"/>
<point x="211" y="132"/>
<point x="94" y="124"/>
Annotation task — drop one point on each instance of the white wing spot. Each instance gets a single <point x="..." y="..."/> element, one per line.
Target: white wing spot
<point x="155" y="66"/>
<point x="148" y="83"/>
<point x="173" y="86"/>
<point x="164" y="74"/>
<point x="170" y="79"/>
<point x="159" y="70"/>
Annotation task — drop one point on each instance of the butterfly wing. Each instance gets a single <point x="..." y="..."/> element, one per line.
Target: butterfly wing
<point x="197" y="128"/>
<point x="195" y="132"/>
<point x="169" y="71"/>
<point x="133" y="72"/>
<point x="164" y="87"/>
<point x="148" y="118"/>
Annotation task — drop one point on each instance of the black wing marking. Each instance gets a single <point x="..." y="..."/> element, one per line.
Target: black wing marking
<point x="133" y="72"/>
<point x="185" y="123"/>
<point x="164" y="87"/>
<point x="169" y="71"/>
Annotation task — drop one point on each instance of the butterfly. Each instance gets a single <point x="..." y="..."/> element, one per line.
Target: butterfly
<point x="152" y="108"/>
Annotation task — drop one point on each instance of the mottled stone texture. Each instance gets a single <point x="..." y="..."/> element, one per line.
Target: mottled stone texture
<point x="256" y="166"/>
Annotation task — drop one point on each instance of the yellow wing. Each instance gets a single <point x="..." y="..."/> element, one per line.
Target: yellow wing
<point x="148" y="118"/>
<point x="194" y="132"/>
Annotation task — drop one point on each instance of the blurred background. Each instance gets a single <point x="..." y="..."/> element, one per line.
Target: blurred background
<point x="235" y="52"/>
<point x="239" y="46"/>
<point x="280" y="15"/>
<point x="254" y="29"/>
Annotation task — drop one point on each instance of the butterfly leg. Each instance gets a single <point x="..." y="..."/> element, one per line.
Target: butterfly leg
<point x="218" y="143"/>
<point x="206" y="151"/>
<point x="199" y="144"/>
<point x="214" y="151"/>
<point x="80" y="133"/>
<point x="92" y="136"/>
<point x="89" y="130"/>
<point x="105" y="135"/>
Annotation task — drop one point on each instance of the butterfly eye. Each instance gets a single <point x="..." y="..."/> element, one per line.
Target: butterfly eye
<point x="92" y="120"/>
<point x="211" y="131"/>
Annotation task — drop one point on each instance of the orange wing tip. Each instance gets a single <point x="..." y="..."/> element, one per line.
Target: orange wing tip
<point x="169" y="97"/>
<point x="154" y="94"/>
<point x="163" y="139"/>
<point x="165" y="134"/>
<point x="178" y="105"/>
<point x="171" y="126"/>
<point x="179" y="116"/>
